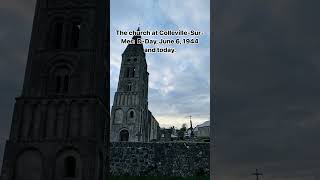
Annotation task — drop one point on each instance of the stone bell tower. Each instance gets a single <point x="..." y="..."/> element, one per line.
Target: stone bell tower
<point x="60" y="124"/>
<point x="129" y="114"/>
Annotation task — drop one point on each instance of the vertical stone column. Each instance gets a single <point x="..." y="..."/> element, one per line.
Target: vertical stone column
<point x="43" y="122"/>
<point x="67" y="120"/>
<point x="121" y="99"/>
<point x="27" y="116"/>
<point x="118" y="99"/>
<point x="36" y="121"/>
<point x="91" y="117"/>
<point x="61" y="117"/>
<point x="84" y="119"/>
<point x="51" y="118"/>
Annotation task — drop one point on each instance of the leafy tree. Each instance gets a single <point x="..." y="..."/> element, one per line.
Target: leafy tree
<point x="182" y="131"/>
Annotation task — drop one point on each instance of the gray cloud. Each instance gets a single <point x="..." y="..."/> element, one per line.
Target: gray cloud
<point x="176" y="88"/>
<point x="16" y="23"/>
<point x="266" y="73"/>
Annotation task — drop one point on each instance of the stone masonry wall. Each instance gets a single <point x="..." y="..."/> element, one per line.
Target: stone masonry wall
<point x="159" y="159"/>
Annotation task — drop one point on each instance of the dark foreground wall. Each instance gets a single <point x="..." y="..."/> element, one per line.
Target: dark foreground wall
<point x="159" y="159"/>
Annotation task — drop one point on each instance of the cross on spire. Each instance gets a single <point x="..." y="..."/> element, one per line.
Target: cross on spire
<point x="138" y="27"/>
<point x="257" y="174"/>
<point x="191" y="128"/>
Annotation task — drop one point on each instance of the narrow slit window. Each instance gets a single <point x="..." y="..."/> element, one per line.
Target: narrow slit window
<point x="66" y="83"/>
<point x="58" y="35"/>
<point x="76" y="27"/>
<point x="62" y="80"/>
<point x="124" y="135"/>
<point x="133" y="72"/>
<point x="129" y="87"/>
<point x="127" y="72"/>
<point x="70" y="167"/>
<point x="58" y="84"/>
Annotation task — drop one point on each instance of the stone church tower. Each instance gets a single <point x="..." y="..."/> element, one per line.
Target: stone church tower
<point x="60" y="125"/>
<point x="129" y="114"/>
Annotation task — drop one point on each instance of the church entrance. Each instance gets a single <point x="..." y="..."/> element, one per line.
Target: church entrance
<point x="124" y="135"/>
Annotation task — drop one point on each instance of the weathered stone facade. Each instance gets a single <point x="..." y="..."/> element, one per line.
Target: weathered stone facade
<point x="130" y="116"/>
<point x="60" y="122"/>
<point x="159" y="159"/>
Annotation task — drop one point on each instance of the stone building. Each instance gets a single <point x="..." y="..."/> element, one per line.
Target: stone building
<point x="202" y="130"/>
<point x="130" y="117"/>
<point x="60" y="124"/>
<point x="154" y="128"/>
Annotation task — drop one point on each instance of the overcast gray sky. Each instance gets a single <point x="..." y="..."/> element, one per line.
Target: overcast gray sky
<point x="267" y="70"/>
<point x="16" y="22"/>
<point x="179" y="83"/>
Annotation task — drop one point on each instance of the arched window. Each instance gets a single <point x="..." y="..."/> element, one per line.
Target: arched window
<point x="58" y="83"/>
<point x="70" y="166"/>
<point x="57" y="37"/>
<point x="29" y="165"/>
<point x="135" y="59"/>
<point x="131" y="114"/>
<point x="133" y="72"/>
<point x="62" y="79"/>
<point x="118" y="117"/>
<point x="129" y="87"/>
<point x="62" y="83"/>
<point x="128" y="60"/>
<point x="127" y="72"/>
<point x="65" y="83"/>
<point x="75" y="36"/>
<point x="124" y="135"/>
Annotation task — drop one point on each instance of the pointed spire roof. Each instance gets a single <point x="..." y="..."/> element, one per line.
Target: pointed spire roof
<point x="135" y="49"/>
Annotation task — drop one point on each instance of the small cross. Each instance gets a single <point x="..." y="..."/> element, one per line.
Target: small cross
<point x="257" y="174"/>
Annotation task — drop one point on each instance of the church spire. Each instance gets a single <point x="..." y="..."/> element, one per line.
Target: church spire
<point x="136" y="48"/>
<point x="135" y="37"/>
